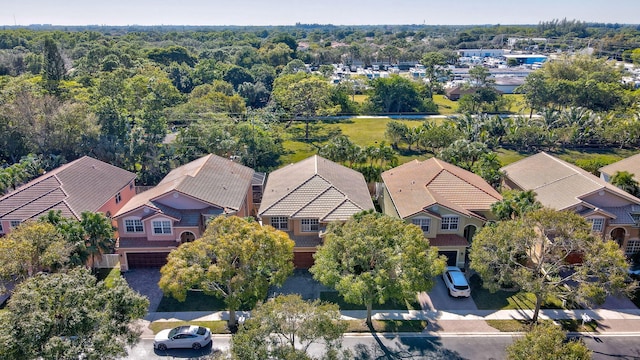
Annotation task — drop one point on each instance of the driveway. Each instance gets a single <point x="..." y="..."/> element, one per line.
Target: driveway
<point x="300" y="282"/>
<point x="145" y="281"/>
<point x="438" y="299"/>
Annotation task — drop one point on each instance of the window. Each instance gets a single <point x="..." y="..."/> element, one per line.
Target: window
<point x="309" y="225"/>
<point x="280" y="222"/>
<point x="161" y="227"/>
<point x="597" y="224"/>
<point x="133" y="226"/>
<point x="449" y="223"/>
<point x="118" y="198"/>
<point x="15" y="223"/>
<point x="633" y="247"/>
<point x="424" y="223"/>
<point x="1" y="229"/>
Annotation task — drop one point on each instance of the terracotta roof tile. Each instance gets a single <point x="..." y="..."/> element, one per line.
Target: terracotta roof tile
<point x="298" y="188"/>
<point x="558" y="184"/>
<point x="416" y="185"/>
<point x="85" y="184"/>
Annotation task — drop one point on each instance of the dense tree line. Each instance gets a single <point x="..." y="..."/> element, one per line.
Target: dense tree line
<point x="116" y="93"/>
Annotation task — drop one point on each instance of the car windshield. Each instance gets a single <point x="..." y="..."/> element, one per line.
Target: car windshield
<point x="177" y="330"/>
<point x="201" y="331"/>
<point x="458" y="279"/>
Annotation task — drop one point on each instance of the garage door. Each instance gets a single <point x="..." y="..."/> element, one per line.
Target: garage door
<point x="146" y="260"/>
<point x="452" y="257"/>
<point x="302" y="260"/>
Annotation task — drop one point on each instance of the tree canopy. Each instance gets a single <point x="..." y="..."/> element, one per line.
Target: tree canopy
<point x="70" y="316"/>
<point x="549" y="253"/>
<point x="288" y="325"/>
<point x="547" y="342"/>
<point x="374" y="258"/>
<point x="30" y="248"/>
<point x="235" y="259"/>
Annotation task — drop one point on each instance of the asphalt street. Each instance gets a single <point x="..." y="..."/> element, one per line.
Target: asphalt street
<point x="417" y="346"/>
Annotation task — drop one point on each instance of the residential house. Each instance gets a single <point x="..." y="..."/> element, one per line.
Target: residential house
<point x="559" y="185"/>
<point x="176" y="211"/>
<point x="302" y="198"/>
<point x="85" y="184"/>
<point x="449" y="203"/>
<point x="630" y="164"/>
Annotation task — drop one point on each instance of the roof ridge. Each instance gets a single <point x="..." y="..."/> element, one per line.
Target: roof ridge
<point x="285" y="195"/>
<point x="339" y="205"/>
<point x="10" y="195"/>
<point x="318" y="196"/>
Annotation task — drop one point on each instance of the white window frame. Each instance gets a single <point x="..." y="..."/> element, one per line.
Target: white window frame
<point x="280" y="222"/>
<point x="423" y="223"/>
<point x="118" y="198"/>
<point x="309" y="225"/>
<point x="450" y="222"/>
<point x="136" y="226"/>
<point x="633" y="246"/>
<point x="15" y="223"/>
<point x="597" y="224"/>
<point x="164" y="227"/>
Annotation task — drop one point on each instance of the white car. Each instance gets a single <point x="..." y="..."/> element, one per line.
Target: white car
<point x="188" y="336"/>
<point x="456" y="282"/>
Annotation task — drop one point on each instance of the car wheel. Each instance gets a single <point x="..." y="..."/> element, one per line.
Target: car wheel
<point x="162" y="347"/>
<point x="196" y="346"/>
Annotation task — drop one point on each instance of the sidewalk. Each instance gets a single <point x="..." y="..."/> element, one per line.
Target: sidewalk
<point x="462" y="322"/>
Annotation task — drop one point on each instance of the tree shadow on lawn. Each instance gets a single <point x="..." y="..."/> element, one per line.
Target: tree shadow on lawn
<point x="195" y="301"/>
<point x="505" y="299"/>
<point x="334" y="297"/>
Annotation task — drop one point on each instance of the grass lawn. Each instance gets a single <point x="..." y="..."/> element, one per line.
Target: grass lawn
<point x="523" y="326"/>
<point x="334" y="297"/>
<point x="506" y="300"/>
<point x="217" y="327"/>
<point x="195" y="301"/>
<point x="108" y="275"/>
<point x="445" y="106"/>
<point x="390" y="326"/>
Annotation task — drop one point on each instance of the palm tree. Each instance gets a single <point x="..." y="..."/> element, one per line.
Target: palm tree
<point x="625" y="181"/>
<point x="98" y="234"/>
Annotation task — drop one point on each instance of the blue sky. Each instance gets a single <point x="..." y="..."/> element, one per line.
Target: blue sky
<point x="288" y="12"/>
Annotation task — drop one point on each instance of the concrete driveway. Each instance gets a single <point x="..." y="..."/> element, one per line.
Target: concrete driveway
<point x="439" y="299"/>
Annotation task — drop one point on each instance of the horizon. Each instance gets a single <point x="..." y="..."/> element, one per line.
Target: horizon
<point x="330" y="12"/>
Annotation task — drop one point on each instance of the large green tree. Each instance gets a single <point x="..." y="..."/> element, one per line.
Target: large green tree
<point x="70" y="316"/>
<point x="395" y="94"/>
<point x="304" y="97"/>
<point x="549" y="253"/>
<point x="236" y="260"/>
<point x="374" y="258"/>
<point x="288" y="325"/>
<point x="30" y="248"/>
<point x="547" y="342"/>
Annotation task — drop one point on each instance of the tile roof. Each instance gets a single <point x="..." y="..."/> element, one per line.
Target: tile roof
<point x="417" y="185"/>
<point x="630" y="164"/>
<point x="315" y="188"/>
<point x="448" y="240"/>
<point x="558" y="184"/>
<point x="211" y="179"/>
<point x="85" y="184"/>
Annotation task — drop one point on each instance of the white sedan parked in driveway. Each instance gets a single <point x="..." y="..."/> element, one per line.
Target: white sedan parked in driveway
<point x="456" y="282"/>
<point x="189" y="336"/>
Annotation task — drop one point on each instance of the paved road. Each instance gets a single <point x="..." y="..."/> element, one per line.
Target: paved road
<point x="418" y="346"/>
